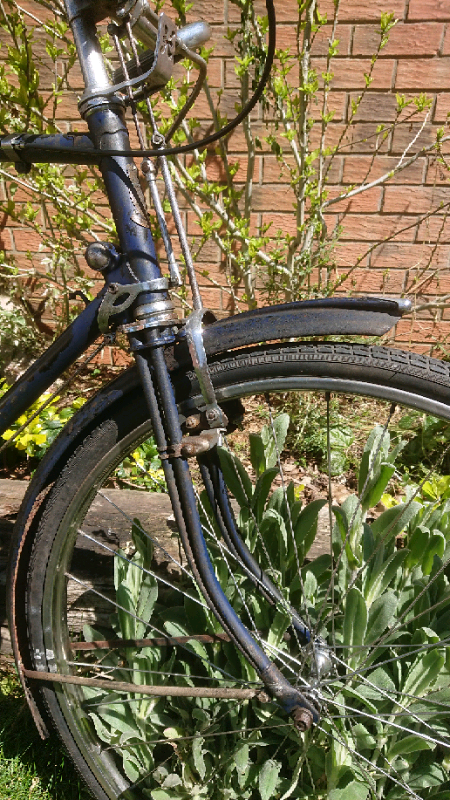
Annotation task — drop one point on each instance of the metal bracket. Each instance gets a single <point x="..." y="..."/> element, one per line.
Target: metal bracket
<point x="194" y="335"/>
<point x="195" y="445"/>
<point x="115" y="291"/>
<point x="161" y="69"/>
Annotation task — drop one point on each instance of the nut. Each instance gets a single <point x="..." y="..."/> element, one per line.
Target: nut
<point x="193" y="421"/>
<point x="303" y="719"/>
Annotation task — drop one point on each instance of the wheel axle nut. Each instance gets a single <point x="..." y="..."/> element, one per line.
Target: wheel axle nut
<point x="303" y="719"/>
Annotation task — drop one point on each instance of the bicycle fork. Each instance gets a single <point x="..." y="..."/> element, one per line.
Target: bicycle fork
<point x="170" y="442"/>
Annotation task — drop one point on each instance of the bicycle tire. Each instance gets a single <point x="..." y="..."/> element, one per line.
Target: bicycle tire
<point x="247" y="747"/>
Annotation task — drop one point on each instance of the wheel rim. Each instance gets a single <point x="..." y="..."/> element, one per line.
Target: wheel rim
<point x="370" y="757"/>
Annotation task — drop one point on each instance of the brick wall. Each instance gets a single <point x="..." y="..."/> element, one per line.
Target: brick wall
<point x="416" y="259"/>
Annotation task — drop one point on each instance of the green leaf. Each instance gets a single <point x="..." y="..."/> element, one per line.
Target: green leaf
<point x="273" y="445"/>
<point x="375" y="489"/>
<point x="409" y="744"/>
<point x="363" y="739"/>
<point x="346" y="787"/>
<point x="236" y="477"/>
<point x="377" y="443"/>
<point x="197" y="752"/>
<point x="355" y="623"/>
<point x="125" y="611"/>
<point x="306" y="526"/>
<point x="417" y="544"/>
<point x="423" y="673"/>
<point x="380" y="579"/>
<point x="257" y="453"/>
<point x="268" y="778"/>
<point x="394" y="520"/>
<point x="354" y="790"/>
<point x="435" y="547"/>
<point x="381" y="614"/>
<point x="262" y="489"/>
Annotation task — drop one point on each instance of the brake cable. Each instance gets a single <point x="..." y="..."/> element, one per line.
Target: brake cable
<point x="187" y="148"/>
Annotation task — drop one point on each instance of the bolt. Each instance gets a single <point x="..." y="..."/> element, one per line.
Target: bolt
<point x="212" y="414"/>
<point x="100" y="255"/>
<point x="157" y="139"/>
<point x="113" y="288"/>
<point x="303" y="718"/>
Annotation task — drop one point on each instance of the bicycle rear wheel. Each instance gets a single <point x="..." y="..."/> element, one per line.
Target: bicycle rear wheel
<point x="366" y="575"/>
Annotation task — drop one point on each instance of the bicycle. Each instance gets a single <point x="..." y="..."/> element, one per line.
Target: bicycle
<point x="253" y="663"/>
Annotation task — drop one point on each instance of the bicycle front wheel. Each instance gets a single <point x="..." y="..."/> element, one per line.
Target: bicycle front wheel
<point x="326" y="515"/>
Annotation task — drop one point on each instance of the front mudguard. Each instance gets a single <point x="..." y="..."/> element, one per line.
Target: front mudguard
<point x="323" y="317"/>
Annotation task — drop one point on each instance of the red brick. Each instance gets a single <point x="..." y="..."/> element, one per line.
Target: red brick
<point x="404" y="135"/>
<point x="287" y="38"/>
<point x="365" y="281"/>
<point x="403" y="256"/>
<point x="446" y="43"/>
<point x="360" y="137"/>
<point x="379" y="106"/>
<point x="227" y="106"/>
<point x="336" y="103"/>
<point x="285" y="12"/>
<point x="368" y="201"/>
<point x="420" y="330"/>
<point x="41" y="12"/>
<point x="434" y="229"/>
<point x="6" y="240"/>
<point x="424" y="74"/>
<point x="428" y="9"/>
<point x="349" y="73"/>
<point x="321" y="42"/>
<point x="215" y="169"/>
<point x="432" y="283"/>
<point x="272" y="198"/>
<point x="223" y="47"/>
<point x="374" y="228"/>
<point x="286" y="223"/>
<point x="367" y="169"/>
<point x="437" y="173"/>
<point x="442" y="108"/>
<point x="66" y="106"/>
<point x="416" y="200"/>
<point x="422" y="39"/>
<point x="28" y="240"/>
<point x="204" y="9"/>
<point x="361" y="10"/>
<point x="347" y="254"/>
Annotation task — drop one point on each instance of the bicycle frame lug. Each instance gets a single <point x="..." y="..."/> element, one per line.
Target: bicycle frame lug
<point x="10" y="145"/>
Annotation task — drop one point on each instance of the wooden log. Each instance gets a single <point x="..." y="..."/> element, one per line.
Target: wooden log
<point x="109" y="522"/>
